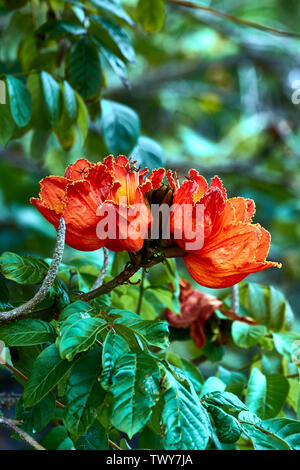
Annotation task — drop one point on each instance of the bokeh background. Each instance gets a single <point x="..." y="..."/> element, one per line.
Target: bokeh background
<point x="216" y="96"/>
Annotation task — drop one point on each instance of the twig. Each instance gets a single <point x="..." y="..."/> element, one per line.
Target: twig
<point x="140" y="301"/>
<point x="48" y="281"/>
<point x="234" y="316"/>
<point x="122" y="278"/>
<point x="101" y="275"/>
<point x="9" y="423"/>
<point x="235" y="302"/>
<point x="234" y="19"/>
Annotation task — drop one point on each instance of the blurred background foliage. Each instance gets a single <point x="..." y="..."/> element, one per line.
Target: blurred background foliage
<point x="86" y="78"/>
<point x="216" y="95"/>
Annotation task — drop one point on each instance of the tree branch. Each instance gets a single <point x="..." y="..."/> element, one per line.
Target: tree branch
<point x="48" y="281"/>
<point x="9" y="423"/>
<point x="123" y="277"/>
<point x="101" y="275"/>
<point x="234" y="19"/>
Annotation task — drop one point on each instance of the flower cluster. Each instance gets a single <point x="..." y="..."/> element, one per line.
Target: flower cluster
<point x="91" y="196"/>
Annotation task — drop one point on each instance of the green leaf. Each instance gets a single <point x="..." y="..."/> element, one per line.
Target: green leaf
<point x="135" y="388"/>
<point x="83" y="393"/>
<point x="107" y="32"/>
<point x="266" y="395"/>
<point x="35" y="419"/>
<point x="114" y="7"/>
<point x="136" y="342"/>
<point x="57" y="439"/>
<point x="261" y="438"/>
<point x="148" y="153"/>
<point x="54" y="29"/>
<point x="235" y="381"/>
<point x="52" y="97"/>
<point x="20" y="101"/>
<point x="226" y="400"/>
<point x="153" y="332"/>
<point x="27" y="332"/>
<point x="23" y="269"/>
<point x="38" y="116"/>
<point x="47" y="371"/>
<point x="65" y="129"/>
<point x="95" y="439"/>
<point x="193" y="374"/>
<point x="77" y="334"/>
<point x="185" y="421"/>
<point x="287" y="429"/>
<point x="212" y="384"/>
<point x="288" y="345"/>
<point x="246" y="336"/>
<point x="7" y="123"/>
<point x="114" y="346"/>
<point x="84" y="68"/>
<point x="82" y="118"/>
<point x="151" y="14"/>
<point x="117" y="65"/>
<point x="76" y="307"/>
<point x="227" y="427"/>
<point x="267" y="305"/>
<point x="120" y="127"/>
<point x="70" y="102"/>
<point x="281" y="314"/>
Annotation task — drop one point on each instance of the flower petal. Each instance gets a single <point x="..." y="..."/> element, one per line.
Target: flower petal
<point x="228" y="259"/>
<point x="244" y="209"/>
<point x="156" y="177"/>
<point x="80" y="214"/>
<point x="78" y="170"/>
<point x="217" y="183"/>
<point x="201" y="183"/>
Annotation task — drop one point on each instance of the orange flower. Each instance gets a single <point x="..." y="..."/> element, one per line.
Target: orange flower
<point x="233" y="247"/>
<point x="86" y="193"/>
<point x="195" y="309"/>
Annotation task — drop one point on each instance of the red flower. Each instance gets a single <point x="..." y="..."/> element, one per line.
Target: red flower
<point x="233" y="247"/>
<point x="85" y="194"/>
<point x="195" y="309"/>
